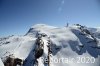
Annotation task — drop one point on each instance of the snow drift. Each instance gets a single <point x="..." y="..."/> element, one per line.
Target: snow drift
<point x="74" y="45"/>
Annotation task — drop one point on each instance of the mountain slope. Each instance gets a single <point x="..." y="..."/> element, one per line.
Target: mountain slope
<point x="1" y="63"/>
<point x="74" y="45"/>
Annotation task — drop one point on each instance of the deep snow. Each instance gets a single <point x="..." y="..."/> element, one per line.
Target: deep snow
<point x="72" y="43"/>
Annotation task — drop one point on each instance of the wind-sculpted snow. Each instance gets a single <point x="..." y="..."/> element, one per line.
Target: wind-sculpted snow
<point x="75" y="45"/>
<point x="88" y="44"/>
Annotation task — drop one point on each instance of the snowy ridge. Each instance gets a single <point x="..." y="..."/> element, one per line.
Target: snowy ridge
<point x="70" y="42"/>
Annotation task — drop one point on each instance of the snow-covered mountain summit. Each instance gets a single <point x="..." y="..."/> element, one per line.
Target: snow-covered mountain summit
<point x="45" y="45"/>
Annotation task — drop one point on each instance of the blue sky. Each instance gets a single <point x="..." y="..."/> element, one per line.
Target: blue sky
<point x="17" y="16"/>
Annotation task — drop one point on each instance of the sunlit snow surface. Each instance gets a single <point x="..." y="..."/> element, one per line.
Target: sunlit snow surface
<point x="67" y="44"/>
